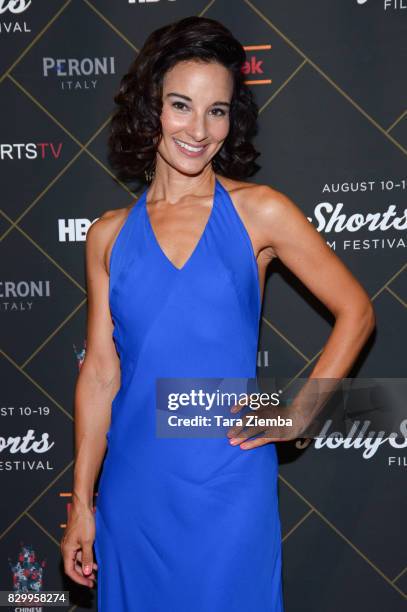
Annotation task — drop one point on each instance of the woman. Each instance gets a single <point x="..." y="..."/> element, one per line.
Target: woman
<point x="178" y="278"/>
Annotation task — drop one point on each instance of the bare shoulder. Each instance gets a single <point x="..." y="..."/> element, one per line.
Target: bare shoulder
<point x="102" y="234"/>
<point x="258" y="199"/>
<point x="263" y="210"/>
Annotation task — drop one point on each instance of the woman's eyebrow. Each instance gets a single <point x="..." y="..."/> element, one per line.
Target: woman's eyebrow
<point x="173" y="93"/>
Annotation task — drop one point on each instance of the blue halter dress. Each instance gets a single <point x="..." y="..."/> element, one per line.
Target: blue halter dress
<point x="184" y="525"/>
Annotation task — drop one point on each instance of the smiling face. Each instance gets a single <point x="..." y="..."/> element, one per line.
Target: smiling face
<point x="195" y="115"/>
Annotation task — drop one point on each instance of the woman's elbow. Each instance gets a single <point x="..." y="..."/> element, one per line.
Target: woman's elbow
<point x="359" y="313"/>
<point x="369" y="317"/>
<point x="364" y="316"/>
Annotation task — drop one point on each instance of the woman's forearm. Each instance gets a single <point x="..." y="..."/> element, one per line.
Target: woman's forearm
<point x="348" y="336"/>
<point x="93" y="402"/>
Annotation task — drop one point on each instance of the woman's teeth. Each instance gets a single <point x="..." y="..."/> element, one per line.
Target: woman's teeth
<point x="188" y="147"/>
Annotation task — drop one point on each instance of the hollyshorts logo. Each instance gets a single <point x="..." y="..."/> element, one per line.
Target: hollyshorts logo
<point x="12" y="9"/>
<point x="388" y="4"/>
<point x="21" y="445"/>
<point x="22" y="295"/>
<point x="384" y="229"/>
<point x="361" y="438"/>
<point x="74" y="74"/>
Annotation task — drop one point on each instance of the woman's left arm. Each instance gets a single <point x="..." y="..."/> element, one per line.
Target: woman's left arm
<point x="281" y="225"/>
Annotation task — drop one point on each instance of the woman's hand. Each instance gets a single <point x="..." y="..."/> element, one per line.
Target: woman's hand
<point x="239" y="434"/>
<point x="296" y="420"/>
<point x="76" y="546"/>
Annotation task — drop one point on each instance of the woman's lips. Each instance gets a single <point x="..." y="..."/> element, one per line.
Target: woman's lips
<point x="189" y="153"/>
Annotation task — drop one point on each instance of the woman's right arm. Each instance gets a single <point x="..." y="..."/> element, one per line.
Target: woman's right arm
<point x="97" y="384"/>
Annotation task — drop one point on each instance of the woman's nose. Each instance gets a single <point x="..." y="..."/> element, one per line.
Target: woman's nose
<point x="197" y="128"/>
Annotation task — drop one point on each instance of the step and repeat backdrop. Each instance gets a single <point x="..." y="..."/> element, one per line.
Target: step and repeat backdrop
<point x="329" y="78"/>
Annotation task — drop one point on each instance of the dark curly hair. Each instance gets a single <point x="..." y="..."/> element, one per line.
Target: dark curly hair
<point x="135" y="128"/>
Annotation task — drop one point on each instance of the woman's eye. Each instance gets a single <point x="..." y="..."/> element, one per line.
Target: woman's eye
<point x="222" y="112"/>
<point x="218" y="112"/>
<point x="179" y="103"/>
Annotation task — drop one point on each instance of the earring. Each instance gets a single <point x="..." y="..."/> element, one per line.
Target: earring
<point x="149" y="175"/>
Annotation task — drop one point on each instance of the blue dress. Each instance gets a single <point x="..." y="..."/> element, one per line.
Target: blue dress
<point x="184" y="525"/>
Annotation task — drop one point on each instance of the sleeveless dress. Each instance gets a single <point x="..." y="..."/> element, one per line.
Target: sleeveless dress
<point x="184" y="525"/>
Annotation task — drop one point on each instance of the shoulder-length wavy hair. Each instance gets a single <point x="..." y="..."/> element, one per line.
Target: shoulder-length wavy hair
<point x="135" y="128"/>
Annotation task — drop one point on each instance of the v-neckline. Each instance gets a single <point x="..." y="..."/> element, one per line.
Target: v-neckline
<point x="200" y="240"/>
